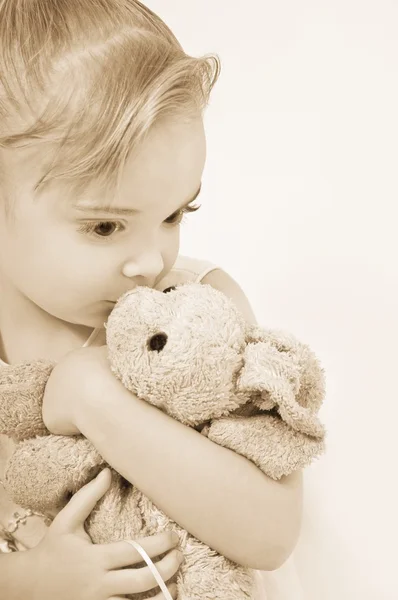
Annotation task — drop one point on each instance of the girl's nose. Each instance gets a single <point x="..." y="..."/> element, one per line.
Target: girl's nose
<point x="145" y="267"/>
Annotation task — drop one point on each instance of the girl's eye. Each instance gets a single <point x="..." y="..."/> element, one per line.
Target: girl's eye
<point x="103" y="229"/>
<point x="177" y="218"/>
<point x="106" y="229"/>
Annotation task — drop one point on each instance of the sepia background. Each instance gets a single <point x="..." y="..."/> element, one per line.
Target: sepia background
<point x="299" y="205"/>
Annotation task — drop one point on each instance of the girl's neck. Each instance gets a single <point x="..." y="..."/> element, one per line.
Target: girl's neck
<point x="28" y="333"/>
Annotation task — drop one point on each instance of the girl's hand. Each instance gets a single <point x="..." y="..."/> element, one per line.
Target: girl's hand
<point x="66" y="564"/>
<point x="73" y="381"/>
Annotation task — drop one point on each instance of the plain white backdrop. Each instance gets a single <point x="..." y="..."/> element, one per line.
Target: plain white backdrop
<point x="299" y="205"/>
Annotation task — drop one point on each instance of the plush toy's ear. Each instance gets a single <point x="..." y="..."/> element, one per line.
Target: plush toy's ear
<point x="283" y="373"/>
<point x="266" y="440"/>
<point x="21" y="395"/>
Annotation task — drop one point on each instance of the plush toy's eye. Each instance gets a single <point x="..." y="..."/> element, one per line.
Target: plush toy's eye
<point x="157" y="342"/>
<point x="169" y="289"/>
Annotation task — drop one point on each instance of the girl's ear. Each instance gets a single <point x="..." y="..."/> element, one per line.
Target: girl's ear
<point x="21" y="395"/>
<point x="285" y="374"/>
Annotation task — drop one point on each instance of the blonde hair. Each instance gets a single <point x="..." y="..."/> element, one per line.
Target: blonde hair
<point x="91" y="78"/>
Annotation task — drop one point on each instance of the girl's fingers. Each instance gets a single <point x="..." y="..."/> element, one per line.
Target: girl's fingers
<point x="121" y="554"/>
<point x="133" y="581"/>
<point x="79" y="507"/>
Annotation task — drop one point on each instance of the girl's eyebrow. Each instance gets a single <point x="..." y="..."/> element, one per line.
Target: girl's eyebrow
<point x="95" y="208"/>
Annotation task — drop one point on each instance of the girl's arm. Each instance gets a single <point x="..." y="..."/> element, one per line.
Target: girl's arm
<point x="14" y="580"/>
<point x="218" y="496"/>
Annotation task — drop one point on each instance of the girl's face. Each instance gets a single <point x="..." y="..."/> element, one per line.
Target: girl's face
<point x="71" y="260"/>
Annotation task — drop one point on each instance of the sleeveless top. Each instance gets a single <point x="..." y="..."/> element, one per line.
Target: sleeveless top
<point x="186" y="269"/>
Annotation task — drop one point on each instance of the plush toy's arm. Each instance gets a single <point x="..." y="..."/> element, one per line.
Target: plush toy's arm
<point x="267" y="441"/>
<point x="43" y="470"/>
<point x="21" y="396"/>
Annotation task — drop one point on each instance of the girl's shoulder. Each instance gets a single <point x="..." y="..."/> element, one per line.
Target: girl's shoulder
<point x="186" y="269"/>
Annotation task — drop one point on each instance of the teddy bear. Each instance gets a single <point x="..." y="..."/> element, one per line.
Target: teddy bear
<point x="188" y="351"/>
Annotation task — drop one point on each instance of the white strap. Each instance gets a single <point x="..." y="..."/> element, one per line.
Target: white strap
<point x="152" y="568"/>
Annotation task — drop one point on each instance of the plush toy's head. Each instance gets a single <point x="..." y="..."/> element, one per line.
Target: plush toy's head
<point x="181" y="351"/>
<point x="191" y="353"/>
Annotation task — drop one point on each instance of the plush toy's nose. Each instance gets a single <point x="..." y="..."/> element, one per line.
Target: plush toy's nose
<point x="157" y="342"/>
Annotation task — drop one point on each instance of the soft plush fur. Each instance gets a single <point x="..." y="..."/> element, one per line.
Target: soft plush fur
<point x="190" y="353"/>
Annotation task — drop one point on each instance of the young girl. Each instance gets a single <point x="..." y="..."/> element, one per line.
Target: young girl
<point x="102" y="150"/>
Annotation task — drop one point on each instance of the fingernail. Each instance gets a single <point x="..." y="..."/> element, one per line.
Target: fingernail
<point x="175" y="537"/>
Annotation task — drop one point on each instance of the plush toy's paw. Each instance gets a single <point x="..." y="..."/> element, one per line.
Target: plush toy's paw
<point x="267" y="441"/>
<point x="116" y="515"/>
<point x="21" y="395"/>
<point x="43" y="472"/>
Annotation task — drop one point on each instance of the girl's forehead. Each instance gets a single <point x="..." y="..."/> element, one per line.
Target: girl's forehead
<point x="168" y="164"/>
